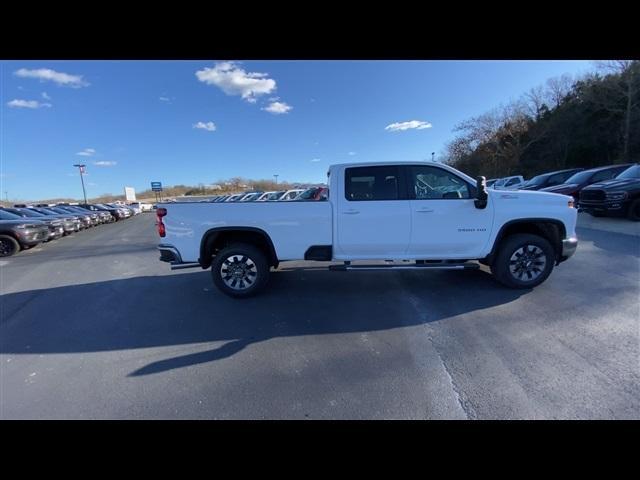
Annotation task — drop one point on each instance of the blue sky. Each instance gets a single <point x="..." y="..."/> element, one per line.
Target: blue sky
<point x="195" y="122"/>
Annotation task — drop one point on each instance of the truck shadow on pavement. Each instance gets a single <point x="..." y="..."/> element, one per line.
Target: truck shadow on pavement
<point x="185" y="308"/>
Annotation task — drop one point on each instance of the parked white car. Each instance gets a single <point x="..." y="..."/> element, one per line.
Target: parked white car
<point x="509" y="183"/>
<point x="235" y="198"/>
<point x="250" y="197"/>
<point x="135" y="207"/>
<point x="143" y="207"/>
<point x="290" y="194"/>
<point x="268" y="195"/>
<point x="431" y="215"/>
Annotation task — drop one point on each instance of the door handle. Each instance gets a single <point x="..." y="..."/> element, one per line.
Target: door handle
<point x="425" y="210"/>
<point x="351" y="212"/>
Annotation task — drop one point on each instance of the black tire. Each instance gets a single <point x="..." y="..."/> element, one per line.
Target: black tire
<point x="8" y="246"/>
<point x="530" y="271"/>
<point x="248" y="259"/>
<point x="634" y="210"/>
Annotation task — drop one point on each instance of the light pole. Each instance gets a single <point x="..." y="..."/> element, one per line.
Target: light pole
<point x="432" y="154"/>
<point x="276" y="178"/>
<point x="81" y="169"/>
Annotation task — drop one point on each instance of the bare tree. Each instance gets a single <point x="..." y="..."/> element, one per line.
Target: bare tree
<point x="535" y="102"/>
<point x="558" y="88"/>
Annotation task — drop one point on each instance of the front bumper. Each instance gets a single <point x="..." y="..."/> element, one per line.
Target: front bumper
<point x="31" y="236"/>
<point x="602" y="206"/>
<point x="56" y="232"/>
<point x="569" y="246"/>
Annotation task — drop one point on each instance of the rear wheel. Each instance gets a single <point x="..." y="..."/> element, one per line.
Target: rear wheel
<point x="634" y="210"/>
<point x="8" y="246"/>
<point x="240" y="270"/>
<point x="523" y="261"/>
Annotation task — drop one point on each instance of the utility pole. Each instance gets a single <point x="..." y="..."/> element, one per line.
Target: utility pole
<point x="81" y="169"/>
<point x="276" y="178"/>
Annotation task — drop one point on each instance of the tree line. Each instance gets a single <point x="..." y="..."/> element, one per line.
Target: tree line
<point x="568" y="122"/>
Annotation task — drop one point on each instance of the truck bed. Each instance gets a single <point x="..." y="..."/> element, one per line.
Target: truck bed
<point x="292" y="226"/>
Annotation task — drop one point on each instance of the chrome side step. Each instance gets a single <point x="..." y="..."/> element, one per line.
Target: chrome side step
<point x="413" y="266"/>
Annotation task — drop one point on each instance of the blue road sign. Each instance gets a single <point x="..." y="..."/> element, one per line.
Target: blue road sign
<point x="156" y="186"/>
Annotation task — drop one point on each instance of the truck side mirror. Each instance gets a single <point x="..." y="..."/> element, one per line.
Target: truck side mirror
<point x="481" y="193"/>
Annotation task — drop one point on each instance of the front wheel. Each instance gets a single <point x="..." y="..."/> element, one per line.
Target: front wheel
<point x="240" y="270"/>
<point x="523" y="261"/>
<point x="8" y="246"/>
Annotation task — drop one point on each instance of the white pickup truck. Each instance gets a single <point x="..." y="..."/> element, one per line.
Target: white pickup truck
<point x="399" y="215"/>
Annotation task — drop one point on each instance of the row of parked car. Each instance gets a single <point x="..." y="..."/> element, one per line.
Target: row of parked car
<point x="609" y="190"/>
<point x="25" y="226"/>
<point x="311" y="194"/>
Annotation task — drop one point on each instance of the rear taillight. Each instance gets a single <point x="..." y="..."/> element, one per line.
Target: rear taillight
<point x="161" y="212"/>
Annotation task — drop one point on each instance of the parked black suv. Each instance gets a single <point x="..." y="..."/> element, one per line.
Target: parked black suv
<point x="619" y="196"/>
<point x="575" y="183"/>
<point x="549" y="179"/>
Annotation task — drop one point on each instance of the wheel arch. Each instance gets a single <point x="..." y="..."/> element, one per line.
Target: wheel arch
<point x="551" y="229"/>
<point x="216" y="238"/>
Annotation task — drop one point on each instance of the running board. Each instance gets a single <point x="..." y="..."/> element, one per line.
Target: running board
<point x="180" y="266"/>
<point x="413" y="266"/>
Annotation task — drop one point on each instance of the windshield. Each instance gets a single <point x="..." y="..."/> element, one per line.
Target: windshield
<point x="29" y="213"/>
<point x="4" y="215"/>
<point x="580" y="177"/>
<point x="631" y="172"/>
<point x="275" y="195"/>
<point x="45" y="211"/>
<point x="57" y="210"/>
<point x="308" y="194"/>
<point x="539" y="180"/>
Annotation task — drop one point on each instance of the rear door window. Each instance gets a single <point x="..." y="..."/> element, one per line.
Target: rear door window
<point x="372" y="183"/>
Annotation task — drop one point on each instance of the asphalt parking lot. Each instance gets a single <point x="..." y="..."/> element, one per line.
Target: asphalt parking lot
<point x="94" y="326"/>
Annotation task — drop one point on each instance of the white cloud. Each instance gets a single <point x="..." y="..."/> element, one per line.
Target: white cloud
<point x="413" y="124"/>
<point x="278" y="108"/>
<point x="46" y="74"/>
<point x="45" y="96"/>
<point x="87" y="152"/>
<point x="233" y="80"/>
<point x="105" y="163"/>
<point x="351" y="154"/>
<point x="209" y="126"/>
<point x="165" y="99"/>
<point x="315" y="159"/>
<point x="17" y="103"/>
